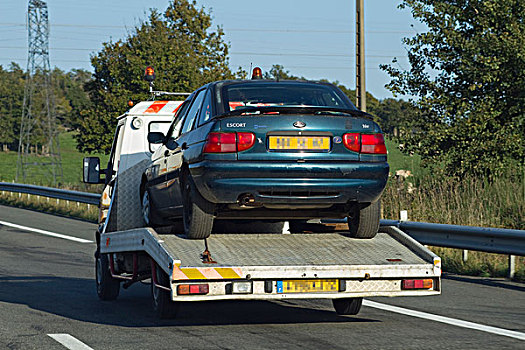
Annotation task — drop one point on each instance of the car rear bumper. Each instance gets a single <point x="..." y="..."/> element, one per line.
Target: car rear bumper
<point x="223" y="182"/>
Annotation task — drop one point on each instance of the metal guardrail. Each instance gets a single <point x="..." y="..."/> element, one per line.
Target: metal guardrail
<point x="68" y="195"/>
<point x="493" y="240"/>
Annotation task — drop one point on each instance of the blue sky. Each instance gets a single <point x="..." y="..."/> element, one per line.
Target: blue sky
<point x="314" y="39"/>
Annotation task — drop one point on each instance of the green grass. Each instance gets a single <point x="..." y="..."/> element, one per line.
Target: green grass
<point x="71" y="166"/>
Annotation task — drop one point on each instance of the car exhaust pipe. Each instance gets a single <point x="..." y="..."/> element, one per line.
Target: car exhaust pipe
<point x="246" y="200"/>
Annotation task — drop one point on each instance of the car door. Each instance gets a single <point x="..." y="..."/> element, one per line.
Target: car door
<point x="175" y="156"/>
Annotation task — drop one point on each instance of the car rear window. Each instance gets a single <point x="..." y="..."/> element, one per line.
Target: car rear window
<point x="242" y="95"/>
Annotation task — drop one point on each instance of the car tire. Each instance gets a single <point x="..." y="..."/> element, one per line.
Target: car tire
<point x="163" y="305"/>
<point x="197" y="212"/>
<point x="364" y="222"/>
<point x="347" y="306"/>
<point x="108" y="288"/>
<point x="146" y="207"/>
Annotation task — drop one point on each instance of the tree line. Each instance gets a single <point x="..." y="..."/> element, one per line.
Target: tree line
<point x="464" y="92"/>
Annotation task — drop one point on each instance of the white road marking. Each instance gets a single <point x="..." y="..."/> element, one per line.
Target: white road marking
<point x="70" y="342"/>
<point x="47" y="233"/>
<point x="447" y="320"/>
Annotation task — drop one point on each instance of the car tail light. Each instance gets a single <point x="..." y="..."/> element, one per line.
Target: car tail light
<point x="186" y="289"/>
<point x="373" y="143"/>
<point x="417" y="284"/>
<point x="365" y="143"/>
<point x="245" y="140"/>
<point x="228" y="142"/>
<point x="352" y="141"/>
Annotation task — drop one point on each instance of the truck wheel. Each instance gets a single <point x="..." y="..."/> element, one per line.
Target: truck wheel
<point x="364" y="223"/>
<point x="197" y="212"/>
<point x="107" y="287"/>
<point x="347" y="306"/>
<point x="163" y="305"/>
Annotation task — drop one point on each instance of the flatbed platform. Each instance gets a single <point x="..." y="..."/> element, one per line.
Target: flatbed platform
<point x="365" y="267"/>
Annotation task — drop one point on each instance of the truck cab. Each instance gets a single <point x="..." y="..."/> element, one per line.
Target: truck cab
<point x="129" y="157"/>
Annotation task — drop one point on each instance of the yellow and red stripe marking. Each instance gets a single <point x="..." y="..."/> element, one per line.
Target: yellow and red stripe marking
<point x="156" y="106"/>
<point x="206" y="273"/>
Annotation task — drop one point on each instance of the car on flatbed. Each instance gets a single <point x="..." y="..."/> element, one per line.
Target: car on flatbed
<point x="266" y="150"/>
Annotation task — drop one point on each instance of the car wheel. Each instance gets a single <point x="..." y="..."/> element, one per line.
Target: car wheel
<point x="107" y="287"/>
<point x="197" y="212"/>
<point x="364" y="222"/>
<point x="347" y="306"/>
<point x="146" y="208"/>
<point x="163" y="305"/>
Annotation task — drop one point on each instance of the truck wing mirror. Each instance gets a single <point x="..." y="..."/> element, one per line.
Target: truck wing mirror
<point x="91" y="170"/>
<point x="171" y="144"/>
<point x="156" y="137"/>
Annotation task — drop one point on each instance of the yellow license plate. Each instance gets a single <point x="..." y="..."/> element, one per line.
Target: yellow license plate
<point x="299" y="143"/>
<point x="307" y="286"/>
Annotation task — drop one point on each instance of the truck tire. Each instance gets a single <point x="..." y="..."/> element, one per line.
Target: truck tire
<point x="347" y="306"/>
<point x="197" y="212"/>
<point x="107" y="287"/>
<point x="364" y="223"/>
<point x="163" y="305"/>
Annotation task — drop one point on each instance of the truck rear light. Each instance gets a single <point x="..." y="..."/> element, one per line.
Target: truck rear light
<point x="365" y="143"/>
<point x="417" y="284"/>
<point x="228" y="142"/>
<point x="242" y="287"/>
<point x="373" y="143"/>
<point x="187" y="289"/>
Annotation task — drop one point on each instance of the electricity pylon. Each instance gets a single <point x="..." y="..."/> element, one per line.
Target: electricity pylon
<point x="38" y="147"/>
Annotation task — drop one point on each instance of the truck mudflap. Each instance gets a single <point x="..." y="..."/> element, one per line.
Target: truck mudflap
<point x="296" y="266"/>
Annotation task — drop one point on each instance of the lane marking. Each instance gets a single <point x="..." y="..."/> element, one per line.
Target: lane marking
<point x="46" y="233"/>
<point x="447" y="320"/>
<point x="70" y="342"/>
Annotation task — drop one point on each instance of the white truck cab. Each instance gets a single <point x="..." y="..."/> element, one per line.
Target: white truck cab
<point x="129" y="157"/>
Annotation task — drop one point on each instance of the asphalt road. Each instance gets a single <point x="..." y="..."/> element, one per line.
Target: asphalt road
<point x="47" y="287"/>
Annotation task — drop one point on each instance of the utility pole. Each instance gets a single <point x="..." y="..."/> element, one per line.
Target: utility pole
<point x="360" y="90"/>
<point x="38" y="147"/>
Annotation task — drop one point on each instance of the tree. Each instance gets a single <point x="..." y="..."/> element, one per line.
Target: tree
<point x="467" y="77"/>
<point x="181" y="47"/>
<point x="11" y="99"/>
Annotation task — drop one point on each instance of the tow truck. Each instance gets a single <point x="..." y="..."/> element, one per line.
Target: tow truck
<point x="322" y="264"/>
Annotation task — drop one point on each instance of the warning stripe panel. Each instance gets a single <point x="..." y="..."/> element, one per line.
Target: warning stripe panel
<point x="156" y="106"/>
<point x="206" y="273"/>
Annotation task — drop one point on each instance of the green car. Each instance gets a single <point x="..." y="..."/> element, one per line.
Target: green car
<point x="266" y="151"/>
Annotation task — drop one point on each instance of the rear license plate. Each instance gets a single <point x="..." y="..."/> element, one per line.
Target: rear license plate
<point x="299" y="143"/>
<point x="307" y="286"/>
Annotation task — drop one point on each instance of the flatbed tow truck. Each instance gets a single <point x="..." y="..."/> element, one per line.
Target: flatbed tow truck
<point x="237" y="266"/>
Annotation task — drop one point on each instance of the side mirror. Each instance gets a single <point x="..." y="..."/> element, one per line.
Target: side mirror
<point x="156" y="137"/>
<point x="171" y="144"/>
<point x="91" y="170"/>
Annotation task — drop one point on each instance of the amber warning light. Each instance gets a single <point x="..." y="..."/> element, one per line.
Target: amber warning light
<point x="149" y="74"/>
<point x="257" y="73"/>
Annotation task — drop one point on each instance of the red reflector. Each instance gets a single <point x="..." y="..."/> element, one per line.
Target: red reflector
<point x="220" y="143"/>
<point x="373" y="143"/>
<point x="352" y="141"/>
<point x="185" y="289"/>
<point x="417" y="284"/>
<point x="246" y="140"/>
